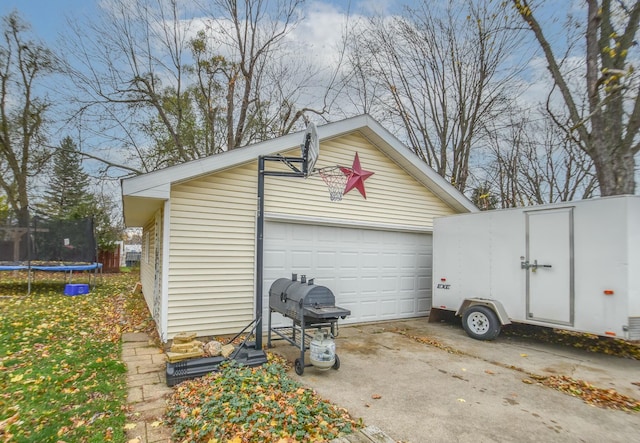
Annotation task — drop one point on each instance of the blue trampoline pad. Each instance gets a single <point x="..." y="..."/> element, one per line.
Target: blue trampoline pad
<point x="87" y="267"/>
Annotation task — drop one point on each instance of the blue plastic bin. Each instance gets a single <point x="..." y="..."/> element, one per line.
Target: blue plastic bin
<point x="76" y="289"/>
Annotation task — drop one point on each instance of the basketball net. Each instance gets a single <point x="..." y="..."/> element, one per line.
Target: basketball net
<point x="336" y="178"/>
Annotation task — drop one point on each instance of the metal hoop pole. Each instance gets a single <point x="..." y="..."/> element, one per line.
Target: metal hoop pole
<point x="259" y="252"/>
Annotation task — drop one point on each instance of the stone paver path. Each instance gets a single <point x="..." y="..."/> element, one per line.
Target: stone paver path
<point x="148" y="389"/>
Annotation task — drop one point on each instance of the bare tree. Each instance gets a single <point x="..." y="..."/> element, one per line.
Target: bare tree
<point x="23" y="64"/>
<point x="607" y="126"/>
<point x="250" y="30"/>
<point x="443" y="75"/>
<point x="247" y="77"/>
<point x="171" y="86"/>
<point x="128" y="65"/>
<point x="532" y="162"/>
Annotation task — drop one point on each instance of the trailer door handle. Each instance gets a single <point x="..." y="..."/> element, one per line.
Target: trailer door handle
<point x="533" y="266"/>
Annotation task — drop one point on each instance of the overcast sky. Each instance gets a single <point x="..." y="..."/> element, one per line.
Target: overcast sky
<point x="48" y="17"/>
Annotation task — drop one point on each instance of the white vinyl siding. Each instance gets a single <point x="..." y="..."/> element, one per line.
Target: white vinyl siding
<point x="212" y="252"/>
<point x="212" y="267"/>
<point x="393" y="197"/>
<point x="147" y="269"/>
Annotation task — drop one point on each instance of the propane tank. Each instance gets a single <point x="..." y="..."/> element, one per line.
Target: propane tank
<point x="322" y="350"/>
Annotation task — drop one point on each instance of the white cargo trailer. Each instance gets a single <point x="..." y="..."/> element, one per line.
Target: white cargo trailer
<point x="573" y="266"/>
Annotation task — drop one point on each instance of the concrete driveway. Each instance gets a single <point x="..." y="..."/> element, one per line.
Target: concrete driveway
<point x="457" y="389"/>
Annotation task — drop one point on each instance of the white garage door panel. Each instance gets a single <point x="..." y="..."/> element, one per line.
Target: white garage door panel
<point x="378" y="275"/>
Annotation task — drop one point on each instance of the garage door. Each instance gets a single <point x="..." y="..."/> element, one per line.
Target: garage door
<point x="378" y="275"/>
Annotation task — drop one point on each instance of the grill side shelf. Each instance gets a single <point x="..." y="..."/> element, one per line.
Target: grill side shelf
<point x="326" y="312"/>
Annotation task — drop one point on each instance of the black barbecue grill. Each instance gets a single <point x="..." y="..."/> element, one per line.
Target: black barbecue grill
<point x="309" y="306"/>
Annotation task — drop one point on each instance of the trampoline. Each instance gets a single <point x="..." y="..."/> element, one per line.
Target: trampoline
<point x="68" y="269"/>
<point x="45" y="245"/>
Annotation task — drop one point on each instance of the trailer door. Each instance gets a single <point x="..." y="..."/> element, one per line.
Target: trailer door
<point x="549" y="265"/>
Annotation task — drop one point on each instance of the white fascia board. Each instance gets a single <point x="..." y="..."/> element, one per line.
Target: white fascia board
<point x="207" y="165"/>
<point x="160" y="191"/>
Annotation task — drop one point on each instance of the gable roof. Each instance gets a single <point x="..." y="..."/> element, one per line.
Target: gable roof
<point x="142" y="195"/>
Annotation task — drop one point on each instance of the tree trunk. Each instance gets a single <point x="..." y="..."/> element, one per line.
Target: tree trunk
<point x="609" y="132"/>
<point x="616" y="174"/>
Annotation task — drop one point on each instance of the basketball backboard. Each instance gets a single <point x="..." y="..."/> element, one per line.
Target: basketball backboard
<point x="310" y="148"/>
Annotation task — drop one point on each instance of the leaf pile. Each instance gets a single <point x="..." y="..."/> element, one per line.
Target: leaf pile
<point x="588" y="342"/>
<point x="60" y="366"/>
<point x="603" y="398"/>
<point x="242" y="404"/>
<point x="429" y="341"/>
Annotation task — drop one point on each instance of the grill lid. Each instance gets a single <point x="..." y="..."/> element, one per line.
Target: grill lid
<point x="294" y="298"/>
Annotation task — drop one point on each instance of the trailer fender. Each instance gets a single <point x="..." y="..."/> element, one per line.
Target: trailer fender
<point x="494" y="305"/>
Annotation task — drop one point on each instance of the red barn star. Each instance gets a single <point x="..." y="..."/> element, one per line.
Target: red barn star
<point x="356" y="177"/>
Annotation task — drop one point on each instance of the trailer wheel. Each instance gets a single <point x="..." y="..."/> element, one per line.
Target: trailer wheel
<point x="299" y="366"/>
<point x="481" y="323"/>
<point x="336" y="365"/>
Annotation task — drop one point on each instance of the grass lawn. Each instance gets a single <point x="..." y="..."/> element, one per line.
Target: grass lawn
<point x="61" y="373"/>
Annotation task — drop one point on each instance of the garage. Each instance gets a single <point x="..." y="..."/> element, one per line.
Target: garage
<point x="377" y="274"/>
<point x="372" y="249"/>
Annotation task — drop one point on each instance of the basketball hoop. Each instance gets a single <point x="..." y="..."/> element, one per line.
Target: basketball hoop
<point x="336" y="178"/>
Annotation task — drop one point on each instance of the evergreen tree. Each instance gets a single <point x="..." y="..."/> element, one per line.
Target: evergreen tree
<point x="67" y="196"/>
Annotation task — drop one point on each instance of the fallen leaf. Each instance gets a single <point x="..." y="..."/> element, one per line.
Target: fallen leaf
<point x="523" y="355"/>
<point x="134" y="440"/>
<point x="376" y="396"/>
<point x="63" y="430"/>
<point x="129" y="426"/>
<point x="527" y="381"/>
<point x="462" y="400"/>
<point x="8" y="421"/>
<point x="155" y="424"/>
<point x="487" y="371"/>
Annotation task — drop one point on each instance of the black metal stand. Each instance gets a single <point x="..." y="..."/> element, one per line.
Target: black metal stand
<point x="262" y="173"/>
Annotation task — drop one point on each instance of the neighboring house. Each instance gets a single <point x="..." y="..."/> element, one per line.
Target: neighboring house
<point x="132" y="255"/>
<point x="199" y="218"/>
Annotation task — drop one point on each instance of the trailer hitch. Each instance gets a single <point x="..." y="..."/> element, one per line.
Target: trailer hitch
<point x="533" y="266"/>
